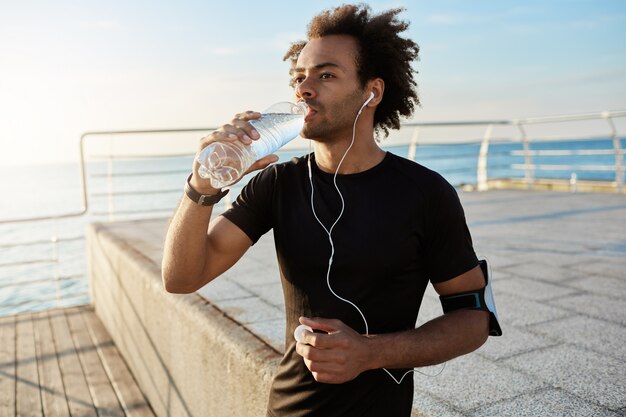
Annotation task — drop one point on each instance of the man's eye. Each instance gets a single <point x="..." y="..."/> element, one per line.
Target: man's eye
<point x="297" y="80"/>
<point x="325" y="76"/>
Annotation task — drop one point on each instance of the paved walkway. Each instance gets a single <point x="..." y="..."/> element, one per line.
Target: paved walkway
<point x="559" y="262"/>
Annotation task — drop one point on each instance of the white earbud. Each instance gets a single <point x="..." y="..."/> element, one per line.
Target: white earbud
<point x="366" y="101"/>
<point x="298" y="334"/>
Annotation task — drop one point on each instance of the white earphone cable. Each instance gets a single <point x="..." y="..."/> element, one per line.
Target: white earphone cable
<point x="329" y="232"/>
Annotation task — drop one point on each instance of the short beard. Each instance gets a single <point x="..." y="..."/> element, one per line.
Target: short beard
<point x="323" y="131"/>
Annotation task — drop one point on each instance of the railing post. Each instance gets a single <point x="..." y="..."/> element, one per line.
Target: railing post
<point x="573" y="182"/>
<point x="110" y="202"/>
<point x="619" y="156"/>
<point x="529" y="170"/>
<point x="481" y="171"/>
<point x="54" y="240"/>
<point x="413" y="144"/>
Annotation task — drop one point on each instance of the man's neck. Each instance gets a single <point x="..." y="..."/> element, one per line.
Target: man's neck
<point x="364" y="154"/>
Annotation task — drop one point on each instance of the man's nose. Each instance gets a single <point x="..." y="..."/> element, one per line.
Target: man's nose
<point x="305" y="89"/>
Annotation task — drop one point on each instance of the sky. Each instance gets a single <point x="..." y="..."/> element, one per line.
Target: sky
<point x="71" y="66"/>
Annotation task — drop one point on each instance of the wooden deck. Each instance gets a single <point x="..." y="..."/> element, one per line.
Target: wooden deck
<point x="63" y="362"/>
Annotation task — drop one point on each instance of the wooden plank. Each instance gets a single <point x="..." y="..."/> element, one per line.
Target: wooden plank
<point x="76" y="390"/>
<point x="7" y="366"/>
<point x="102" y="392"/>
<point x="27" y="397"/>
<point x="54" y="402"/>
<point x="130" y="396"/>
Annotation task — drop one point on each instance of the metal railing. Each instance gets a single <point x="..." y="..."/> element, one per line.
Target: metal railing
<point x="529" y="167"/>
<point x="617" y="150"/>
<point x="478" y="156"/>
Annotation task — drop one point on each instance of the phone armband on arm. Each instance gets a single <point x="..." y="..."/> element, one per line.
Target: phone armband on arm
<point x="476" y="300"/>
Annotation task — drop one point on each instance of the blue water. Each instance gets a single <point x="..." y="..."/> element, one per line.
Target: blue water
<point x="54" y="189"/>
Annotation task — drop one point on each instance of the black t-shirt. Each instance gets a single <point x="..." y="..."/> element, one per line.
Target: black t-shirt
<point x="402" y="226"/>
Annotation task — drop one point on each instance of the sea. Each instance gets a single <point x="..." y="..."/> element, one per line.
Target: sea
<point x="43" y="262"/>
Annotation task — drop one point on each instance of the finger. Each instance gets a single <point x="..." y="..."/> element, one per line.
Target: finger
<point x="326" y="372"/>
<point x="319" y="340"/>
<point x="247" y="129"/>
<point x="237" y="132"/>
<point x="330" y="378"/>
<point x="248" y="115"/>
<point x="219" y="135"/>
<point x="314" y="354"/>
<point x="303" y="350"/>
<point x="262" y="163"/>
<point x="310" y="353"/>
<point x="323" y="367"/>
<point x="325" y="325"/>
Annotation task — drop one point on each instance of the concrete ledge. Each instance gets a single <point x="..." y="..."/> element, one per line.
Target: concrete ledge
<point x="544" y="184"/>
<point x="186" y="355"/>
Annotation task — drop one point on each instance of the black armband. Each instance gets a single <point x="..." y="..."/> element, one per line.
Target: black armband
<point x="481" y="299"/>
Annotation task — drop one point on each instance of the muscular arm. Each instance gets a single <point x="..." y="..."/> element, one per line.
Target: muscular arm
<point x="195" y="253"/>
<point x="441" y="339"/>
<point x="342" y="354"/>
<point x="195" y="250"/>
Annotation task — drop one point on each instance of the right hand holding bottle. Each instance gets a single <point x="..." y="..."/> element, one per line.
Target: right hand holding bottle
<point x="237" y="130"/>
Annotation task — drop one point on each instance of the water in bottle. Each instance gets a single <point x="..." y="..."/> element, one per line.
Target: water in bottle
<point x="225" y="162"/>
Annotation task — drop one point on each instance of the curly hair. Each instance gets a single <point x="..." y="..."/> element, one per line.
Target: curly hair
<point x="382" y="53"/>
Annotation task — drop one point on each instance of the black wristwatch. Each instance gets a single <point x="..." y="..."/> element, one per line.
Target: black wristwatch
<point x="203" y="199"/>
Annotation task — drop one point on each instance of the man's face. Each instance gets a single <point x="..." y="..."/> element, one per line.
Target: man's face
<point x="325" y="76"/>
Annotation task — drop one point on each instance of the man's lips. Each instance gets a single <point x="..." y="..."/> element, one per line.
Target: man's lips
<point x="310" y="113"/>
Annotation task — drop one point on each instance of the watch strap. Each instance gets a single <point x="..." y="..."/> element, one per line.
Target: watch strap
<point x="203" y="199"/>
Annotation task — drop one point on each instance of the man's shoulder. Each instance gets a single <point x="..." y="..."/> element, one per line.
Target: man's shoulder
<point x="279" y="170"/>
<point x="416" y="173"/>
<point x="294" y="164"/>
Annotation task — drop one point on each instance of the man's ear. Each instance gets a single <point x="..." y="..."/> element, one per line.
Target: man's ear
<point x="377" y="87"/>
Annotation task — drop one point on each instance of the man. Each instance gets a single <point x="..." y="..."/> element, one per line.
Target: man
<point x="355" y="257"/>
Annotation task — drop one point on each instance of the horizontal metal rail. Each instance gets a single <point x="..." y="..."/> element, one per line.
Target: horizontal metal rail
<point x="27" y="262"/>
<point x="133" y="156"/>
<point x="458" y="123"/>
<point x="554" y="167"/>
<point x="53" y="239"/>
<point x="39" y="281"/>
<point x="140" y="211"/>
<point x="41" y="300"/>
<point x="569" y="118"/>
<point x="559" y="152"/>
<point x="140" y="174"/>
<point x="139" y="192"/>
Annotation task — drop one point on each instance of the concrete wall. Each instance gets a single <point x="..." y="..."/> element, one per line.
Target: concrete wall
<point x="188" y="357"/>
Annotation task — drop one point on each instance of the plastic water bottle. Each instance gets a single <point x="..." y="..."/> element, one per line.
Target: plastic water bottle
<point x="225" y="162"/>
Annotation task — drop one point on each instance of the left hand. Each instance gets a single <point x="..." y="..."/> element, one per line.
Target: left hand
<point x="336" y="357"/>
